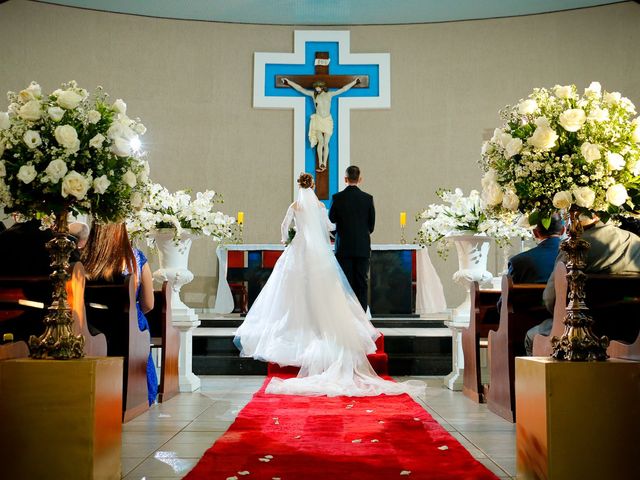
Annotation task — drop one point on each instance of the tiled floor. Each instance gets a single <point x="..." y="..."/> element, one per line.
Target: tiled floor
<point x="167" y="441"/>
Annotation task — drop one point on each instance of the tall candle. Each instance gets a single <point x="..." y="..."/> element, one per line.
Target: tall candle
<point x="240" y="218"/>
<point x="403" y="219"/>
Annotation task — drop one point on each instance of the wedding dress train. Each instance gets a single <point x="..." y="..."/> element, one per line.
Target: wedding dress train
<point x="308" y="316"/>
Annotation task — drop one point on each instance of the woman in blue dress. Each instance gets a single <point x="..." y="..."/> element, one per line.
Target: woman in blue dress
<point x="109" y="256"/>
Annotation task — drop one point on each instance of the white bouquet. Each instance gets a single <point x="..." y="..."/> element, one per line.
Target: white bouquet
<point x="464" y="215"/>
<point x="70" y="152"/>
<point x="178" y="211"/>
<point x="561" y="150"/>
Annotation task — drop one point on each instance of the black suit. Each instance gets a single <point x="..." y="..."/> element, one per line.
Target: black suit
<point x="353" y="213"/>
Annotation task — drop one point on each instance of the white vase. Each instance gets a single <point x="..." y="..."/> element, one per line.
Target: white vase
<point x="173" y="257"/>
<point x="473" y="253"/>
<point x="174" y="268"/>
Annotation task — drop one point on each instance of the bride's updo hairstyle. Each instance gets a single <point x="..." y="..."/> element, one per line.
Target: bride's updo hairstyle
<point x="305" y="180"/>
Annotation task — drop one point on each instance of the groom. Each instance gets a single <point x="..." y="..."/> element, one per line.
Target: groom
<point x="354" y="215"/>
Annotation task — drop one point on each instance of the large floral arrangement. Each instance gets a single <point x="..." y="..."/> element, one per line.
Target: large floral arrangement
<point x="69" y="151"/>
<point x="558" y="150"/>
<point x="464" y="215"/>
<point x="179" y="212"/>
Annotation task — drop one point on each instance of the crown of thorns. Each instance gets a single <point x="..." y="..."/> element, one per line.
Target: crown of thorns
<point x="319" y="84"/>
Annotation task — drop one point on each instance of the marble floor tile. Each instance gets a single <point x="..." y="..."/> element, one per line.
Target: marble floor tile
<point x="194" y="437"/>
<point x="181" y="446"/>
<point x="155" y="425"/>
<point x="493" y="468"/>
<point x="508" y="464"/>
<point x="187" y="450"/>
<point x="482" y="425"/>
<point x="208" y="426"/>
<point x="128" y="464"/>
<point x="137" y="450"/>
<point x="146" y="438"/>
<point x="494" y="443"/>
<point x="162" y="464"/>
<point x="470" y="447"/>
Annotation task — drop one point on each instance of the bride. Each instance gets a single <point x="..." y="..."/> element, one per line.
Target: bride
<point x="308" y="316"/>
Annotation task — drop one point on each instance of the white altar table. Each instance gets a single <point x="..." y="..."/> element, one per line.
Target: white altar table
<point x="429" y="293"/>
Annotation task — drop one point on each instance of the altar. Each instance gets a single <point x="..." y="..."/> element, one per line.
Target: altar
<point x="402" y="279"/>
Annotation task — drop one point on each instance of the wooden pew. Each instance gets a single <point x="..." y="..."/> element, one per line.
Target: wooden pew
<point x="23" y="303"/>
<point x="94" y="345"/>
<point x="626" y="350"/>
<point x="111" y="308"/>
<point x="521" y="309"/>
<point x="14" y="350"/>
<point x="614" y="303"/>
<point x="167" y="337"/>
<point x="484" y="318"/>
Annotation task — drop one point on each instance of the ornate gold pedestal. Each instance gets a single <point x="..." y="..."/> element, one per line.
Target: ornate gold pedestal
<point x="61" y="420"/>
<point x="577" y="419"/>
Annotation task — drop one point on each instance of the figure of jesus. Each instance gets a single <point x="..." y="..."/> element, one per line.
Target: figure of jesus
<point x="321" y="124"/>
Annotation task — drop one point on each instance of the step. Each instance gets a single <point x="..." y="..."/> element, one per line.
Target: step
<point x="431" y="356"/>
<point x="227" y="365"/>
<point x="418" y="345"/>
<point x="433" y="364"/>
<point x="377" y="322"/>
<point x="218" y="341"/>
<point x="435" y="320"/>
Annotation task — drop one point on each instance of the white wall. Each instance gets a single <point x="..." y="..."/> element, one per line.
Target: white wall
<point x="191" y="84"/>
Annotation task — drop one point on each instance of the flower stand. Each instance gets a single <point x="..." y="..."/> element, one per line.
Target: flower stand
<point x="174" y="260"/>
<point x="473" y="253"/>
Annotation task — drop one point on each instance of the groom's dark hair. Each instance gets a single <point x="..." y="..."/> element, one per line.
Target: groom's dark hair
<point x="353" y="173"/>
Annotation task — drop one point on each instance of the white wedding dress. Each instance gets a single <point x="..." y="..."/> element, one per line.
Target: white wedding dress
<point x="308" y="316"/>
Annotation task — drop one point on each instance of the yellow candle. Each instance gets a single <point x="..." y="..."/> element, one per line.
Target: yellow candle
<point x="240" y="218"/>
<point x="403" y="219"/>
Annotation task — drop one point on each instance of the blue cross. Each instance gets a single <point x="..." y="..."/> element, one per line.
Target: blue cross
<point x="269" y="91"/>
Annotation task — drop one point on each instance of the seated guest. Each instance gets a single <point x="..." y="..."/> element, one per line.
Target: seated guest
<point x="536" y="265"/>
<point x="630" y="224"/>
<point x="109" y="256"/>
<point x="27" y="240"/>
<point x="613" y="250"/>
<point x="80" y="231"/>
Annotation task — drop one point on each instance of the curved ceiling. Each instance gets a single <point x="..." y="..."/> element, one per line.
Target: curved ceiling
<point x="330" y="12"/>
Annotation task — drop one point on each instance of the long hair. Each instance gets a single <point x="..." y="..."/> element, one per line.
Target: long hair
<point x="108" y="252"/>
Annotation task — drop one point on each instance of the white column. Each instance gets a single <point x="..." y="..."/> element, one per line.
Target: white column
<point x="454" y="380"/>
<point x="185" y="323"/>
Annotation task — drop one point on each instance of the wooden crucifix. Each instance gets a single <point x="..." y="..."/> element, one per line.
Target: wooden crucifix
<point x="321" y="123"/>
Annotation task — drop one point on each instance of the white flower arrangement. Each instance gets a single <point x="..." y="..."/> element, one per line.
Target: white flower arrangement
<point x="69" y="151"/>
<point x="163" y="209"/>
<point x="464" y="215"/>
<point x="560" y="150"/>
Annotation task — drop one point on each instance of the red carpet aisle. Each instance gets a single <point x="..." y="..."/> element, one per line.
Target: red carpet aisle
<point x="293" y="437"/>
